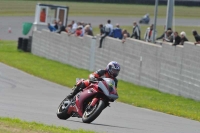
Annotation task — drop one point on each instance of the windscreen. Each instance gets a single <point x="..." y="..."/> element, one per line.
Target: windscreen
<point x="110" y="83"/>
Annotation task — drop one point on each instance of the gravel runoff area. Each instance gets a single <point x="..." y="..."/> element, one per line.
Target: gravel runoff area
<point x="34" y="99"/>
<point x="15" y="23"/>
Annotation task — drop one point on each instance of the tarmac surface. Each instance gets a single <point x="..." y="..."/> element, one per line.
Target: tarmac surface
<point x="15" y="23"/>
<point x="33" y="99"/>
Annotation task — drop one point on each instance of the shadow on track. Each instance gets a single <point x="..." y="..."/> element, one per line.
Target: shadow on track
<point x="105" y="125"/>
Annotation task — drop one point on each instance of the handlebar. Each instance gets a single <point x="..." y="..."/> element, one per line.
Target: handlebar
<point x="96" y="80"/>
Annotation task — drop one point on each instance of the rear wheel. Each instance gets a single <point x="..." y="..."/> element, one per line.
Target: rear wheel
<point x="92" y="113"/>
<point x="63" y="108"/>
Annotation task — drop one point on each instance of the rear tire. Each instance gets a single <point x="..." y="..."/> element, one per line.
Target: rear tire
<point x="89" y="116"/>
<point x="63" y="108"/>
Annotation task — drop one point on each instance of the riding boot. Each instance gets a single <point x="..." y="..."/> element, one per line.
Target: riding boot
<point x="76" y="89"/>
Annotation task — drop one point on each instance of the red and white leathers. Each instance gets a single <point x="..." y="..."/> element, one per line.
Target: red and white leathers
<point x="84" y="83"/>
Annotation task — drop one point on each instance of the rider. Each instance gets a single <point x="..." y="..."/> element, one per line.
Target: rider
<point x="111" y="71"/>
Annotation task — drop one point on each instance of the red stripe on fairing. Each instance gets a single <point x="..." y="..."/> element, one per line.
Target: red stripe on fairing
<point x="94" y="101"/>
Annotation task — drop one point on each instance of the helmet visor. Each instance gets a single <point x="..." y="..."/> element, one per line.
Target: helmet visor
<point x="115" y="72"/>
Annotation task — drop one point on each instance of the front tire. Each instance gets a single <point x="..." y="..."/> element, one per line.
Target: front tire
<point x="63" y="108"/>
<point x="92" y="114"/>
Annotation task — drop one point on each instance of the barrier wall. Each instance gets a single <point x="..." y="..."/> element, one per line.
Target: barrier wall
<point x="170" y="69"/>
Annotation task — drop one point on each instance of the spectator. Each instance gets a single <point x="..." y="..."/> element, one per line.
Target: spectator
<point x="183" y="37"/>
<point x="136" y="31"/>
<point x="55" y="24"/>
<point x="101" y="29"/>
<point x="164" y="35"/>
<point x="78" y="31"/>
<point x="51" y="28"/>
<point x="117" y="32"/>
<point x="43" y="15"/>
<point x="68" y="29"/>
<point x="88" y="31"/>
<point x="169" y="36"/>
<point x="90" y="26"/>
<point x="74" y="26"/>
<point x="177" y="39"/>
<point x="125" y="34"/>
<point x="81" y="24"/>
<point x="108" y="28"/>
<point x="60" y="27"/>
<point x="196" y="36"/>
<point x="148" y="36"/>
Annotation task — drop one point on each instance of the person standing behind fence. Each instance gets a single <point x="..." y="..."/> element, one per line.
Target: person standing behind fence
<point x="101" y="29"/>
<point x="51" y="28"/>
<point x="196" y="36"/>
<point x="79" y="31"/>
<point x="125" y="35"/>
<point x="148" y="36"/>
<point x="169" y="36"/>
<point x="136" y="31"/>
<point x="183" y="38"/>
<point x="61" y="27"/>
<point x="74" y="26"/>
<point x="117" y="32"/>
<point x="108" y="28"/>
<point x="88" y="31"/>
<point x="177" y="39"/>
<point x="55" y="24"/>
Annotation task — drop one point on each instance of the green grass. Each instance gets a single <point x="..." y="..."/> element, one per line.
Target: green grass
<point x="129" y="93"/>
<point x="24" y="8"/>
<point x="8" y="125"/>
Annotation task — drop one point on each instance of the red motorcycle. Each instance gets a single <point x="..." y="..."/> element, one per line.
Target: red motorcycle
<point x="89" y="103"/>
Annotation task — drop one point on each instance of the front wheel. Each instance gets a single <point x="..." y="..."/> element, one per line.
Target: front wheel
<point x="63" y="108"/>
<point x="91" y="114"/>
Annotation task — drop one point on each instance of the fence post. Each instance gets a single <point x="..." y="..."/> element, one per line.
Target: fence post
<point x="92" y="53"/>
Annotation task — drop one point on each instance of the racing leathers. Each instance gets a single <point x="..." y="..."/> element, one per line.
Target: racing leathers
<point x="85" y="83"/>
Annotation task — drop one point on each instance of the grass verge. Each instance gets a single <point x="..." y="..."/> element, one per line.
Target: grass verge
<point x="8" y="125"/>
<point x="24" y="8"/>
<point x="129" y="93"/>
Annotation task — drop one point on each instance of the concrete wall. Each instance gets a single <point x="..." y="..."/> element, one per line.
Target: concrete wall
<point x="170" y="69"/>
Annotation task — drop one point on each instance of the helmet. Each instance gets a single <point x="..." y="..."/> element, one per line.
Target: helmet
<point x="113" y="69"/>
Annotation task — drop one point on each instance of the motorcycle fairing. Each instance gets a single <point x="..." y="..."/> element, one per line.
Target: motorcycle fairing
<point x="105" y="87"/>
<point x="82" y="96"/>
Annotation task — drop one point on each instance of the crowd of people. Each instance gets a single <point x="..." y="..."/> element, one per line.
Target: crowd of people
<point x="80" y="29"/>
<point x="177" y="39"/>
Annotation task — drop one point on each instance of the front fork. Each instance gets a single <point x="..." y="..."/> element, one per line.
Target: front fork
<point x="94" y="101"/>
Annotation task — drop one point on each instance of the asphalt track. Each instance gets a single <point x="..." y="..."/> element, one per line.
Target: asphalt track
<point x="15" y="23"/>
<point x="33" y="99"/>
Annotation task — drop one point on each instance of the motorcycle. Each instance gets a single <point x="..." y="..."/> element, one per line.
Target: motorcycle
<point x="145" y="19"/>
<point x="90" y="102"/>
